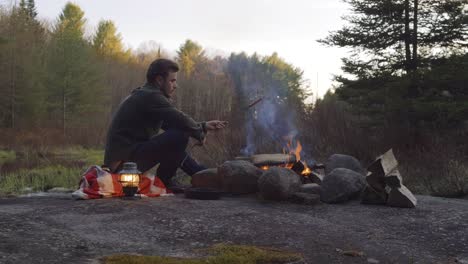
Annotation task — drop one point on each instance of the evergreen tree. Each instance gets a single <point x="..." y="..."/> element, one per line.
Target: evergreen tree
<point x="23" y="66"/>
<point x="107" y="41"/>
<point x="189" y="54"/>
<point x="28" y="8"/>
<point x="394" y="42"/>
<point x="31" y="7"/>
<point x="74" y="83"/>
<point x="386" y="36"/>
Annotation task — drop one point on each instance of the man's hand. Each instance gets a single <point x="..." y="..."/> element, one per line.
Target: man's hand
<point x="216" y="124"/>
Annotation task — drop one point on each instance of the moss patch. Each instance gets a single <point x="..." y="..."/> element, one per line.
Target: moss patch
<point x="220" y="254"/>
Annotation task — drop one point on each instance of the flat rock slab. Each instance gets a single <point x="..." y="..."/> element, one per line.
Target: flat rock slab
<point x="61" y="230"/>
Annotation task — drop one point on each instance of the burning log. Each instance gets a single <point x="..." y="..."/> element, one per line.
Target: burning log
<point x="260" y="160"/>
<point x="298" y="167"/>
<point x="315" y="177"/>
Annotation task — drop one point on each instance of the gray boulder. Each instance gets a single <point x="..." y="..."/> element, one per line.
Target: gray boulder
<point x="343" y="161"/>
<point x="312" y="188"/>
<point x="279" y="183"/>
<point x="341" y="185"/>
<point x="208" y="178"/>
<point x="239" y="177"/>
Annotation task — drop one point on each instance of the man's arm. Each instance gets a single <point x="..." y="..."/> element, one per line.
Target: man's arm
<point x="160" y="108"/>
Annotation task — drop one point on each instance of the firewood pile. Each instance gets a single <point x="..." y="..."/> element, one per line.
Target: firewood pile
<point x="385" y="184"/>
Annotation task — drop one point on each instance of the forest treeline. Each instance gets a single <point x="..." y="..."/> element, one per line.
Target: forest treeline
<point x="56" y="79"/>
<point x="405" y="85"/>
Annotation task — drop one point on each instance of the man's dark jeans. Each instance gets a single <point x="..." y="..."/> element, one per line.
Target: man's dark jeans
<point x="167" y="149"/>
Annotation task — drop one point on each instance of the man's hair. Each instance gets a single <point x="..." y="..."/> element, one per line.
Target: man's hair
<point x="161" y="67"/>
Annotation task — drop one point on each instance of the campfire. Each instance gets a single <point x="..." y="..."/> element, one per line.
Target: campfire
<point x="290" y="159"/>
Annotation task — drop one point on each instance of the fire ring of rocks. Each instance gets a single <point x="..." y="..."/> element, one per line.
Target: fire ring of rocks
<point x="282" y="177"/>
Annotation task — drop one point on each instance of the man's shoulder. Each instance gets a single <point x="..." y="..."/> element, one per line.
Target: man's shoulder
<point x="150" y="96"/>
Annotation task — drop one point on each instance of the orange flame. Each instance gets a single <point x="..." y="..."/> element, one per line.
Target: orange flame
<point x="297" y="152"/>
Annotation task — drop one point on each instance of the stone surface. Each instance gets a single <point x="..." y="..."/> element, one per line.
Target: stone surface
<point x="312" y="188"/>
<point x="278" y="183"/>
<point x="343" y="161"/>
<point x="401" y="197"/>
<point x="341" y="185"/>
<point x="208" y="178"/>
<point x="243" y="158"/>
<point x="305" y="198"/>
<point x="59" y="230"/>
<point x="371" y="196"/>
<point x="60" y="190"/>
<point x="394" y="179"/>
<point x="239" y="176"/>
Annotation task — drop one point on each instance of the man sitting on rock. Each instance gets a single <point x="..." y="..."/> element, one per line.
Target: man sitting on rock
<point x="133" y="133"/>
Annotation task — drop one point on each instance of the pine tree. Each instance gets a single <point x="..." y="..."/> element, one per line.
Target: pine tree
<point x="189" y="54"/>
<point x="74" y="79"/>
<point x="394" y="43"/>
<point x="389" y="33"/>
<point x="107" y="41"/>
<point x="31" y="7"/>
<point x="22" y="56"/>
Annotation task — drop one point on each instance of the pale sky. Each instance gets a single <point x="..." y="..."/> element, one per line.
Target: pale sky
<point x="290" y="28"/>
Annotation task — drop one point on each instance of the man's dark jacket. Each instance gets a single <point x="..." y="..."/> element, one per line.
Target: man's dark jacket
<point x="139" y="117"/>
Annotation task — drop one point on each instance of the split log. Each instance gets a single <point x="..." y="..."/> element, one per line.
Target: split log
<point x="401" y="197"/>
<point x="384" y="164"/>
<point x="298" y="167"/>
<point x="394" y="179"/>
<point x="376" y="181"/>
<point x="272" y="159"/>
<point x="372" y="196"/>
